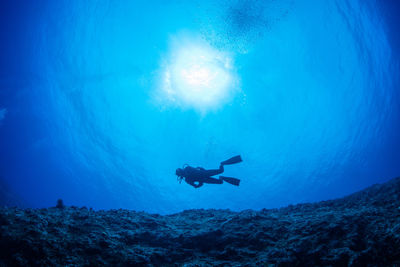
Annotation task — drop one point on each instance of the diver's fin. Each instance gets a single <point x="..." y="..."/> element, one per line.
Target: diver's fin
<point x="233" y="160"/>
<point x="230" y="180"/>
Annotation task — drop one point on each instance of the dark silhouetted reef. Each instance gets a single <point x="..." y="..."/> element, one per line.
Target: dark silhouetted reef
<point x="362" y="229"/>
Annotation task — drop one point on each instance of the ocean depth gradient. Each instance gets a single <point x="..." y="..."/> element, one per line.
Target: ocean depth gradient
<point x="100" y="101"/>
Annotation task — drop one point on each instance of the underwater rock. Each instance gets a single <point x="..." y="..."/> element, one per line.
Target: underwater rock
<point x="362" y="229"/>
<point x="60" y="204"/>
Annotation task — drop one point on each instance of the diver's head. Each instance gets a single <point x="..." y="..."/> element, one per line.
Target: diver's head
<point x="179" y="172"/>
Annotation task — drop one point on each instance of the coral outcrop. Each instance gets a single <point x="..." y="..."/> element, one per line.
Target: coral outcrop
<point x="359" y="230"/>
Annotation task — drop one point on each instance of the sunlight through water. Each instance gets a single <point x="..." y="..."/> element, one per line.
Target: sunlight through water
<point x="196" y="75"/>
<point x="101" y="101"/>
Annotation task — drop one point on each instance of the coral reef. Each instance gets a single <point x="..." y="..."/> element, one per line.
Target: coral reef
<point x="359" y="230"/>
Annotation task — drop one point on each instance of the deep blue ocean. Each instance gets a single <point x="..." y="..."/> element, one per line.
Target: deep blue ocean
<point x="100" y="101"/>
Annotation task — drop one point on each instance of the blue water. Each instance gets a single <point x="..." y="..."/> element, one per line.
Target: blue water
<point x="98" y="105"/>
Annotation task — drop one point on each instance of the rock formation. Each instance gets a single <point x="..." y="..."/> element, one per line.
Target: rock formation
<point x="359" y="230"/>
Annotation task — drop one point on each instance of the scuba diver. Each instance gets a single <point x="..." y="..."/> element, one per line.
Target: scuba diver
<point x="196" y="177"/>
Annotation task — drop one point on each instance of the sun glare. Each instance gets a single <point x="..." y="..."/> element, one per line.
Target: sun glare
<point x="197" y="75"/>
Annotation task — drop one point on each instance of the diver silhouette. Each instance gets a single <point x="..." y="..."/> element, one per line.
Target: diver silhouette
<point x="196" y="177"/>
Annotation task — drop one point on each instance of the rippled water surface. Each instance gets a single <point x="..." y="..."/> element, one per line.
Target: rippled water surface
<point x="100" y="101"/>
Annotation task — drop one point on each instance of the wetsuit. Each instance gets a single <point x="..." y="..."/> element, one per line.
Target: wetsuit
<point x="201" y="176"/>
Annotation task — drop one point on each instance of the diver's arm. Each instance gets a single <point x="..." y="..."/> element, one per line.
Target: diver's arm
<point x="193" y="183"/>
<point x="198" y="185"/>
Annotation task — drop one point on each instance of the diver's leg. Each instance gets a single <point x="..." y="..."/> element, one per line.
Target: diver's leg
<point x="214" y="172"/>
<point x="233" y="160"/>
<point x="212" y="180"/>
<point x="231" y="180"/>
